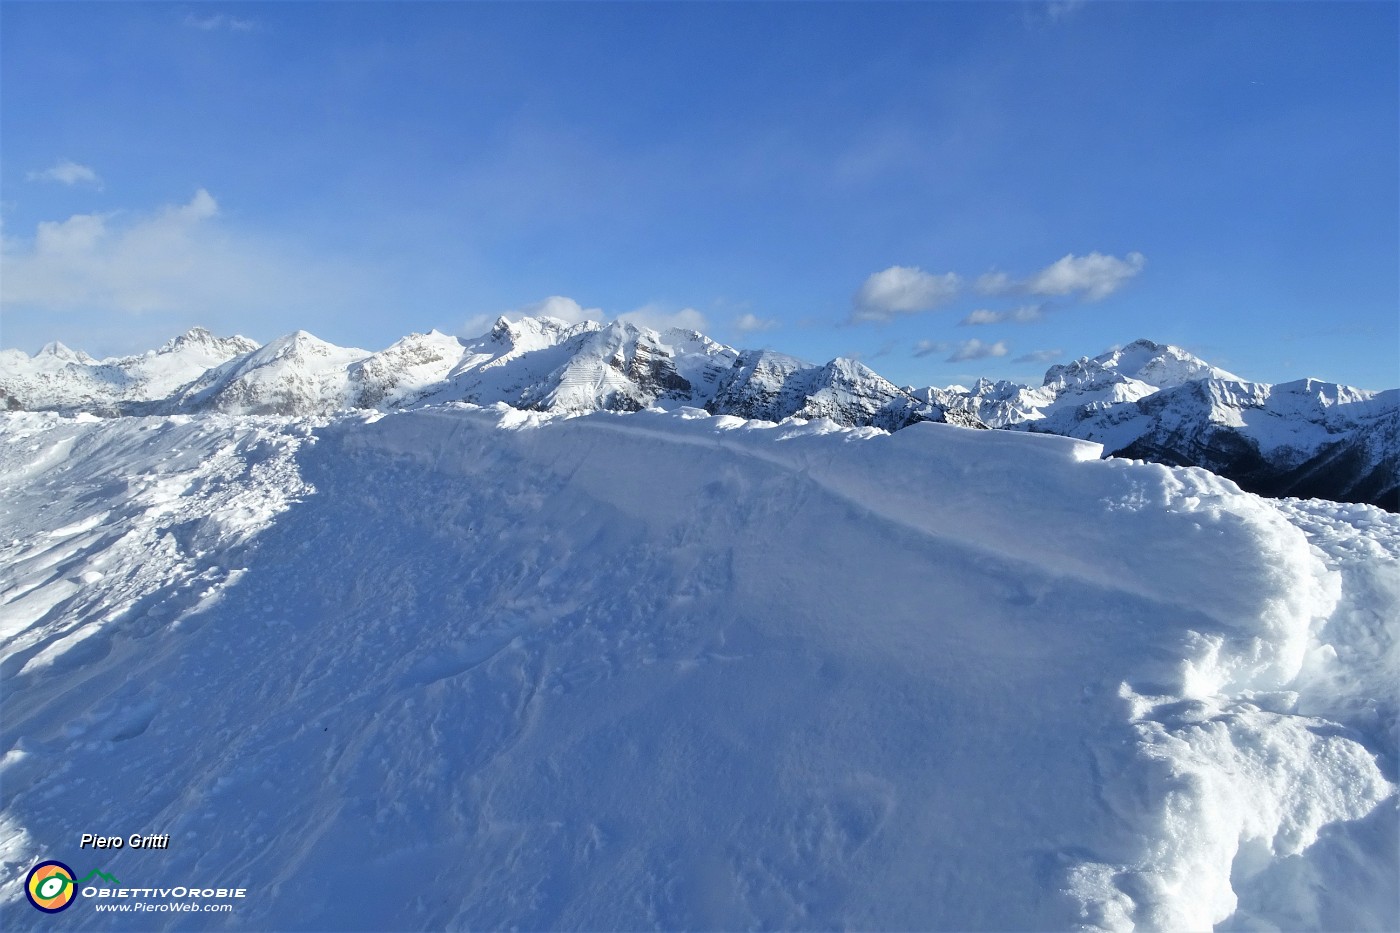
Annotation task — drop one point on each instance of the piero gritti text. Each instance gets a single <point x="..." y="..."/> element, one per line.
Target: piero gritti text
<point x="134" y="841"/>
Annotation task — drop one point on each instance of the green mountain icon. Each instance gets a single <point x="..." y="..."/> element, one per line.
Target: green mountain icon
<point x="100" y="874"/>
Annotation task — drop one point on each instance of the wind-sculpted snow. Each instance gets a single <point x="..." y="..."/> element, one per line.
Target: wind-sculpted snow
<point x="490" y="668"/>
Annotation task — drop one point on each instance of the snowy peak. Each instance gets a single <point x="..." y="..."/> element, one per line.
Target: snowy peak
<point x="405" y="371"/>
<point x="1154" y="401"/>
<point x="298" y="374"/>
<point x="1155" y="364"/>
<point x="626" y="367"/>
<point x="58" y="353"/>
<point x="766" y="386"/>
<point x="197" y="339"/>
<point x="182" y="360"/>
<point x="848" y="391"/>
<point x="526" y="334"/>
<point x="771" y="386"/>
<point x="298" y="345"/>
<point x="1331" y="397"/>
<point x="547" y="364"/>
<point x="58" y="378"/>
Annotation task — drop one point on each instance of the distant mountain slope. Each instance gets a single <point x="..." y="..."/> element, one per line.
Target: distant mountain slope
<point x="299" y="374"/>
<point x="1305" y="438"/>
<point x="544" y="364"/>
<point x="1151" y="401"/>
<point x="769" y="386"/>
<point x="59" y="379"/>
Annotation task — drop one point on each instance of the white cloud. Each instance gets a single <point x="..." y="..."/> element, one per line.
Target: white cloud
<point x="1022" y="315"/>
<point x="67" y="172"/>
<point x="902" y="290"/>
<point x="220" y="21"/>
<point x="995" y="283"/>
<point x="658" y="318"/>
<point x="977" y="350"/>
<point x="1039" y="356"/>
<point x="1095" y="275"/>
<point x="477" y="325"/>
<point x="929" y="347"/>
<point x="556" y="306"/>
<point x="567" y="309"/>
<point x="751" y="323"/>
<point x="176" y="259"/>
<point x="563" y="308"/>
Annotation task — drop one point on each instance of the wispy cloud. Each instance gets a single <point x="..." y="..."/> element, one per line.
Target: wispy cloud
<point x="179" y="258"/>
<point x="749" y="323"/>
<point x="217" y="21"/>
<point x="1022" y="315"/>
<point x="902" y="290"/>
<point x="556" y="306"/>
<point x="929" y="347"/>
<point x="659" y="318"/>
<point x="1049" y="14"/>
<point x="566" y="309"/>
<point x="977" y="350"/>
<point x="563" y="308"/>
<point x="1057" y="10"/>
<point x="67" y="172"/>
<point x="995" y="283"/>
<point x="1039" y="356"/>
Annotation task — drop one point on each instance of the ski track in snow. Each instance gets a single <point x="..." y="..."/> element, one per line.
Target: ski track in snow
<point x="484" y="668"/>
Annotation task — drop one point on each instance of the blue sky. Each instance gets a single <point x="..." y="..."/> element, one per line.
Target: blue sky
<point x="944" y="190"/>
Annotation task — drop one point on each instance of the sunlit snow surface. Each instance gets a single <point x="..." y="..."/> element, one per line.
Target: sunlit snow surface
<point x="477" y="668"/>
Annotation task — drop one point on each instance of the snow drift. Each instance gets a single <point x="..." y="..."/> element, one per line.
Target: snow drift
<point x="466" y="667"/>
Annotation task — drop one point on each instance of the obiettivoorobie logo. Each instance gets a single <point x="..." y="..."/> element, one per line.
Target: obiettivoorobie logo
<point x="52" y="885"/>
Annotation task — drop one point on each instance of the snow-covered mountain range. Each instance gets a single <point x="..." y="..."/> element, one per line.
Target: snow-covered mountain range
<point x="533" y="363"/>
<point x="60" y="379"/>
<point x="1145" y="401"/>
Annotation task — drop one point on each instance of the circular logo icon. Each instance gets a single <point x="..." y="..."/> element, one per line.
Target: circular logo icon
<point x="50" y="886"/>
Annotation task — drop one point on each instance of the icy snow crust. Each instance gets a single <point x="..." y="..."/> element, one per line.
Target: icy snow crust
<point x="485" y="668"/>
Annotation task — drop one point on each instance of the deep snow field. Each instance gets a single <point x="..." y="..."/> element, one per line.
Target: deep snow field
<point x="475" y="668"/>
